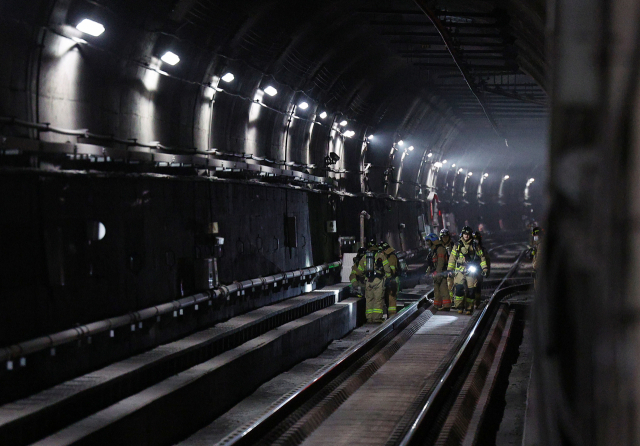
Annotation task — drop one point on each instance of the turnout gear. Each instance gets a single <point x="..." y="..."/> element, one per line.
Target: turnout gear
<point x="536" y="252"/>
<point x="441" y="297"/>
<point x="393" y="283"/>
<point x="374" y="283"/>
<point x="466" y="261"/>
<point x="477" y="236"/>
<point x="356" y="278"/>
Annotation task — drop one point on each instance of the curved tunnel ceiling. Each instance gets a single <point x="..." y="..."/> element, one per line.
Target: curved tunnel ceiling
<point x="381" y="67"/>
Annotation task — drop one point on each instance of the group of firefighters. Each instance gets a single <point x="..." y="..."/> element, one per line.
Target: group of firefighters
<point x="458" y="269"/>
<point x="376" y="270"/>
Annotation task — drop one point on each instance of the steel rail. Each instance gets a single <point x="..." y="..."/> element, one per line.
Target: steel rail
<point x="254" y="432"/>
<point x="427" y="416"/>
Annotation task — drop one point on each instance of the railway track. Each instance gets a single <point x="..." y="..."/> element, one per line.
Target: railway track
<point x="424" y="378"/>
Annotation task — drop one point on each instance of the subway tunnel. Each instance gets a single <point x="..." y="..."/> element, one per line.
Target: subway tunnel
<point x="170" y="165"/>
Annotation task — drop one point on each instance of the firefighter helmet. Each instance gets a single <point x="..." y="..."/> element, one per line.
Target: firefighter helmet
<point x="466" y="229"/>
<point x="444" y="231"/>
<point x="536" y="230"/>
<point x="431" y="237"/>
<point x="371" y="244"/>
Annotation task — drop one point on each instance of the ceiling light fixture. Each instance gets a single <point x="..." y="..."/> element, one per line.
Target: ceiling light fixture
<point x="486" y="175"/>
<point x="349" y="133"/>
<point x="429" y="155"/>
<point x="437" y="164"/>
<point x="228" y="77"/>
<point x="343" y="123"/>
<point x="410" y="149"/>
<point x="303" y="105"/>
<point x="370" y="137"/>
<point x="170" y="58"/>
<point x="323" y="115"/>
<point x="506" y="177"/>
<point x="90" y="27"/>
<point x="470" y="173"/>
<point x="271" y="91"/>
<point x="401" y="143"/>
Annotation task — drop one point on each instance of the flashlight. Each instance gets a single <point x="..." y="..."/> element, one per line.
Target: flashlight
<point x="473" y="269"/>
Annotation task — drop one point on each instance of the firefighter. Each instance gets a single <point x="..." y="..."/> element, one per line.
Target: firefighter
<point x="441" y="298"/>
<point x="375" y="268"/>
<point x="477" y="236"/>
<point x="392" y="285"/>
<point x="356" y="278"/>
<point x="447" y="242"/>
<point x="466" y="262"/>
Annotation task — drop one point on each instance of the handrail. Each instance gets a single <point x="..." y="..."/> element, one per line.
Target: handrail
<point x="444" y="382"/>
<point x="93" y="328"/>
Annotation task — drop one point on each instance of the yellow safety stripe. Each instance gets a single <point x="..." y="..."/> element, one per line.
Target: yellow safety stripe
<point x="451" y="265"/>
<point x="377" y="310"/>
<point x="483" y="264"/>
<point x="392" y="308"/>
<point x="360" y="268"/>
<point x="386" y="262"/>
<point x="354" y="280"/>
<point x="388" y="274"/>
<point x="368" y="312"/>
<point x="393" y="268"/>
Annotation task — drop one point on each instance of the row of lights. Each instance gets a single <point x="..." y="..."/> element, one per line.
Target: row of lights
<point x="95" y="29"/>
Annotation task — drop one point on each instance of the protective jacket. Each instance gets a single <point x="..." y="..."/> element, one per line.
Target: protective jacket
<point x="356" y="277"/>
<point x="466" y="252"/>
<point x="537" y="253"/>
<point x="381" y="266"/>
<point x="439" y="256"/>
<point x="448" y="246"/>
<point x="393" y="261"/>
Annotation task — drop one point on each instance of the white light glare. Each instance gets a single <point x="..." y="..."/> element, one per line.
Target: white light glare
<point x="531" y="180"/>
<point x="349" y="133"/>
<point x="323" y="115"/>
<point x="486" y="175"/>
<point x="228" y="77"/>
<point x="445" y="162"/>
<point x="343" y="123"/>
<point x="472" y="269"/>
<point x="437" y="164"/>
<point x="401" y="143"/>
<point x="370" y="137"/>
<point x="303" y="105"/>
<point x="90" y="27"/>
<point x="429" y="155"/>
<point x="410" y="148"/>
<point x="170" y="58"/>
<point x="470" y="174"/>
<point x="460" y="170"/>
<point x="506" y="177"/>
<point x="271" y="91"/>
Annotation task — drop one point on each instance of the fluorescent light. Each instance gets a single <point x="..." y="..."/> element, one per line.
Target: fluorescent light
<point x="470" y="174"/>
<point x="228" y="77"/>
<point x="486" y="175"/>
<point x="90" y="27"/>
<point x="303" y="105"/>
<point x="271" y="91"/>
<point x="370" y="137"/>
<point x="170" y="58"/>
<point x="401" y="143"/>
<point x="323" y="115"/>
<point x="343" y="123"/>
<point x="410" y="148"/>
<point x="506" y="177"/>
<point x="437" y="164"/>
<point x="349" y="133"/>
